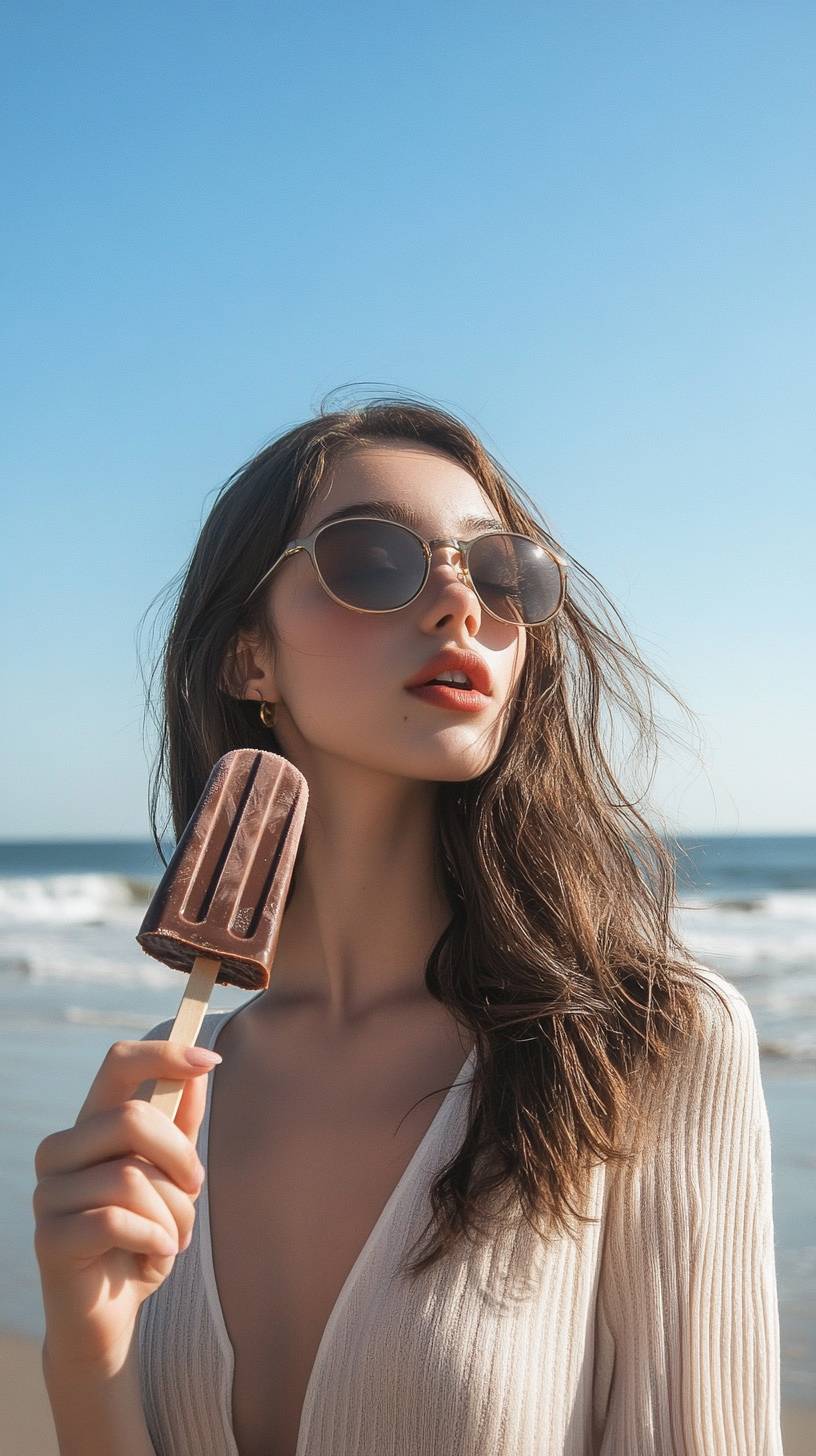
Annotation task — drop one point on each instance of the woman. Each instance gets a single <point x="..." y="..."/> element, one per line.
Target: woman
<point x="489" y="1161"/>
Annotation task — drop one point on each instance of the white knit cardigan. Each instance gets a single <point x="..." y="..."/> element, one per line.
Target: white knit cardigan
<point x="655" y="1332"/>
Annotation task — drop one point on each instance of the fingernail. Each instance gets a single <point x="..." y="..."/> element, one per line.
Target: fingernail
<point x="201" y="1057"/>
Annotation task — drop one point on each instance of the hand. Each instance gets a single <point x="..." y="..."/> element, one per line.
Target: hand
<point x="115" y="1202"/>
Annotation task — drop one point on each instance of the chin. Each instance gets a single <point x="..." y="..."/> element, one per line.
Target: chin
<point x="454" y="764"/>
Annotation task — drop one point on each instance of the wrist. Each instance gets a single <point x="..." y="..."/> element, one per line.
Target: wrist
<point x="96" y="1404"/>
<point x="60" y="1356"/>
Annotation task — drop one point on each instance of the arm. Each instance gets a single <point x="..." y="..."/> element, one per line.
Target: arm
<point x="93" y="1287"/>
<point x="97" y="1412"/>
<point x="687" y="1350"/>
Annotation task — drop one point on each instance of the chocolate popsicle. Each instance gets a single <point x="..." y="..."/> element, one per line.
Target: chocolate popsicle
<point x="217" y="911"/>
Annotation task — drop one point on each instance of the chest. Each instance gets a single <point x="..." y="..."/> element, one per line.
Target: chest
<point x="295" y="1191"/>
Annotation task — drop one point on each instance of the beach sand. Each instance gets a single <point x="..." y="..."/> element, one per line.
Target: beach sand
<point x="28" y="1430"/>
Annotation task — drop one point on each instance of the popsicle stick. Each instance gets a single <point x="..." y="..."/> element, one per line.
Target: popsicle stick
<point x="166" y="1094"/>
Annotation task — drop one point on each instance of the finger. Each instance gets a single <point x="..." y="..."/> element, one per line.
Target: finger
<point x="126" y="1183"/>
<point x="134" y="1127"/>
<point x="192" y="1106"/>
<point x="92" y="1233"/>
<point x="127" y="1064"/>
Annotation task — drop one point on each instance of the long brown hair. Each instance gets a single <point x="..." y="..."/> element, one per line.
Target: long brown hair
<point x="560" y="958"/>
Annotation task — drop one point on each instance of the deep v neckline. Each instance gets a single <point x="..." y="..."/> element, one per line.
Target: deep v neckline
<point x="208" y="1264"/>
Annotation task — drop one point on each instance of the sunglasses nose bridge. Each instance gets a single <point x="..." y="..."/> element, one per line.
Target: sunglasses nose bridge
<point x="459" y="550"/>
<point x="449" y="541"/>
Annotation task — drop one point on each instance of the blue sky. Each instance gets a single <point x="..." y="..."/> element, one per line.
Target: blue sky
<point x="588" y="229"/>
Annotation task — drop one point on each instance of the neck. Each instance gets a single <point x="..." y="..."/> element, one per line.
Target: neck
<point x="365" y="912"/>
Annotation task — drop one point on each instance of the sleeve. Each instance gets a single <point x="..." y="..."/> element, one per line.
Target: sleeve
<point x="687" y="1333"/>
<point x="159" y="1032"/>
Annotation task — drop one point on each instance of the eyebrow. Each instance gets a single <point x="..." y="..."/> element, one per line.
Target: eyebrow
<point x="407" y="516"/>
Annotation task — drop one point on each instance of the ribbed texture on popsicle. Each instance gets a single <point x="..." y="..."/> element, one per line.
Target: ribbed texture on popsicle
<point x="224" y="891"/>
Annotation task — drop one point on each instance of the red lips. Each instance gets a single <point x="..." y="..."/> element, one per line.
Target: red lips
<point x="456" y="659"/>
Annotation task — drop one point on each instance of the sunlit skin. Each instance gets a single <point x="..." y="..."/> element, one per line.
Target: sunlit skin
<point x="366" y="912"/>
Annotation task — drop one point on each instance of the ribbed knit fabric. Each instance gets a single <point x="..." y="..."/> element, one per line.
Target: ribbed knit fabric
<point x="654" y="1333"/>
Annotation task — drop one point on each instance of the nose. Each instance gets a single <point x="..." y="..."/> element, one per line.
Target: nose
<point x="467" y="602"/>
<point x="456" y="549"/>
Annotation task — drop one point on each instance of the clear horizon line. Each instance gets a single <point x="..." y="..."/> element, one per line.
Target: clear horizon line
<point x="674" y="834"/>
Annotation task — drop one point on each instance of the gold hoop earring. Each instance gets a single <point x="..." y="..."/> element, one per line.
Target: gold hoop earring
<point x="267" y="713"/>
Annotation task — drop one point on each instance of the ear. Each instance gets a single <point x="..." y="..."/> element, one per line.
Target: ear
<point x="244" y="673"/>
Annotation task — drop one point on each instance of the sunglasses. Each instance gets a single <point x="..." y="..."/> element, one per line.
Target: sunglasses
<point x="372" y="565"/>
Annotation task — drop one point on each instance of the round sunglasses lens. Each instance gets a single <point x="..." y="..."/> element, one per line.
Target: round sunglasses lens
<point x="515" y="577"/>
<point x="372" y="565"/>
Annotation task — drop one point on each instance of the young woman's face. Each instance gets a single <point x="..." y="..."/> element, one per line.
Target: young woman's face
<point x="338" y="676"/>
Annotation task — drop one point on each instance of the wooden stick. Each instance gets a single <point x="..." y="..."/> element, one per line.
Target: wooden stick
<point x="166" y="1094"/>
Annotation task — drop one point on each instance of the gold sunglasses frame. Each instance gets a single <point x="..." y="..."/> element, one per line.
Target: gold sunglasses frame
<point x="307" y="544"/>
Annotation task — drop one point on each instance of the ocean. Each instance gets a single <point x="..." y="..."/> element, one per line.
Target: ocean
<point x="73" y="980"/>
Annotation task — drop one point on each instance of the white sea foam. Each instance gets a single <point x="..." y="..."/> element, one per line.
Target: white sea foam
<point x="778" y="930"/>
<point x="72" y="899"/>
<point x="90" y="1016"/>
<point x="70" y="955"/>
<point x="785" y="906"/>
<point x="81" y="929"/>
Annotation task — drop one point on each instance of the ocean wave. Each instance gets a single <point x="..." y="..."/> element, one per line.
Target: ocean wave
<point x="781" y="905"/>
<point x="81" y="952"/>
<point x="82" y="927"/>
<point x="100" y="899"/>
<point x="802" y="1052"/>
<point x="779" y="930"/>
<point x="88" y="899"/>
<point x="34" y="1020"/>
<point x="92" y="1016"/>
